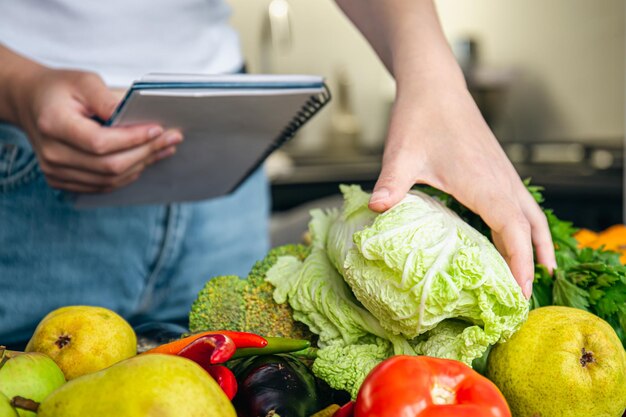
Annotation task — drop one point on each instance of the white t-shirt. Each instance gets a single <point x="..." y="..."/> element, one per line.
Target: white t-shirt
<point x="123" y="39"/>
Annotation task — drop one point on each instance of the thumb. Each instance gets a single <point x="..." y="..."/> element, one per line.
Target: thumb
<point x="100" y="100"/>
<point x="394" y="182"/>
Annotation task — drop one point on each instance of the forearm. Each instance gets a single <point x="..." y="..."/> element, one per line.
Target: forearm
<point x="409" y="40"/>
<point x="437" y="135"/>
<point x="15" y="73"/>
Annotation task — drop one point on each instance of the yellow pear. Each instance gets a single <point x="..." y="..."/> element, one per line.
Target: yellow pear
<point x="152" y="385"/>
<point x="84" y="339"/>
<point x="563" y="362"/>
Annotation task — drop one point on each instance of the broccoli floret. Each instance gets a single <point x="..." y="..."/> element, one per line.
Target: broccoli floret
<point x="220" y="301"/>
<point x="259" y="270"/>
<point x="231" y="303"/>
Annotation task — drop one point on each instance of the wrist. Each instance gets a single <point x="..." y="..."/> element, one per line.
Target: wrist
<point x="17" y="77"/>
<point x="430" y="83"/>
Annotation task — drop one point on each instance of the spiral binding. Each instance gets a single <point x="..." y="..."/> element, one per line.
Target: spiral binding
<point x="313" y="105"/>
<point x="308" y="110"/>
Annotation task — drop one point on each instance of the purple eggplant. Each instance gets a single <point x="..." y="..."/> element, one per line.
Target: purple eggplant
<point x="275" y="385"/>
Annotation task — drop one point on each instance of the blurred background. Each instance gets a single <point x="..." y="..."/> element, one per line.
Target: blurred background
<point x="549" y="78"/>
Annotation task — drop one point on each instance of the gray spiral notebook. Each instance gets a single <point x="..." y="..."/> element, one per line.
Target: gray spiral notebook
<point x="231" y="124"/>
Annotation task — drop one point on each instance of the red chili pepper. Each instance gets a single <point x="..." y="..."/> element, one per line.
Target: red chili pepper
<point x="241" y="340"/>
<point x="225" y="379"/>
<point x="347" y="410"/>
<point x="421" y="386"/>
<point x="209" y="349"/>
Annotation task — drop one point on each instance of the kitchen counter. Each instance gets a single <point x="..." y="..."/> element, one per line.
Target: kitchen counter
<point x="579" y="186"/>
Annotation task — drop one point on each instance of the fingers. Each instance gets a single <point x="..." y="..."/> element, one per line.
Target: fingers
<point x="65" y="113"/>
<point x="540" y="231"/>
<point x="515" y="246"/>
<point x="83" y="133"/>
<point x="65" y="165"/>
<point x="511" y="233"/>
<point x="97" y="96"/>
<point x="57" y="153"/>
<point x="86" y="182"/>
<point x="395" y="180"/>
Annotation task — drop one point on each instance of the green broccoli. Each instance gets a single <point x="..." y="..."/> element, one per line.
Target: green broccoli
<point x="258" y="271"/>
<point x="219" y="305"/>
<point x="231" y="303"/>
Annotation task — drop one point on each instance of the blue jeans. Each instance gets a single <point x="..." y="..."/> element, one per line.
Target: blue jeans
<point x="145" y="262"/>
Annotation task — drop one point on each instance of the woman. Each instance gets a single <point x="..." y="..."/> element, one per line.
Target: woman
<point x="60" y="61"/>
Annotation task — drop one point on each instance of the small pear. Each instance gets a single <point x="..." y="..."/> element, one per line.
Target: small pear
<point x="152" y="385"/>
<point x="28" y="375"/>
<point x="84" y="339"/>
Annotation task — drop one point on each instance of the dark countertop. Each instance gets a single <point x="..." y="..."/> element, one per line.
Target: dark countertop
<point x="588" y="196"/>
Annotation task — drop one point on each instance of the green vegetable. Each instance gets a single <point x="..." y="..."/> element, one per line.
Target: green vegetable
<point x="372" y="283"/>
<point x="345" y="367"/>
<point x="452" y="339"/>
<point x="274" y="345"/>
<point x="336" y="229"/>
<point x="322" y="300"/>
<point x="231" y="303"/>
<point x="259" y="270"/>
<point x="219" y="305"/>
<point x="419" y="264"/>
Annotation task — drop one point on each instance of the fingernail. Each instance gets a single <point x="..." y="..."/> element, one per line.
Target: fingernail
<point x="173" y="138"/>
<point x="155" y="132"/>
<point x="379" y="195"/>
<point x="528" y="289"/>
<point x="166" y="152"/>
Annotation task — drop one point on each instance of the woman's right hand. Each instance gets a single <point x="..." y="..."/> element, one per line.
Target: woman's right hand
<point x="76" y="153"/>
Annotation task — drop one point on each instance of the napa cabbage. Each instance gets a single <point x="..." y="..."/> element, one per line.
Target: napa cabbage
<point x="414" y="280"/>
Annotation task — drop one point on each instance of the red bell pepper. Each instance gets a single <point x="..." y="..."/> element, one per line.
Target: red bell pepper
<point x="421" y="386"/>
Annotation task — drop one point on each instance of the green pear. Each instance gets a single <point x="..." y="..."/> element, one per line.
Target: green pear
<point x="5" y="407"/>
<point x="28" y="375"/>
<point x="563" y="362"/>
<point x="148" y="385"/>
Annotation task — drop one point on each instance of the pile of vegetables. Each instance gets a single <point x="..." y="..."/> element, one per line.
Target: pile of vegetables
<point x="422" y="278"/>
